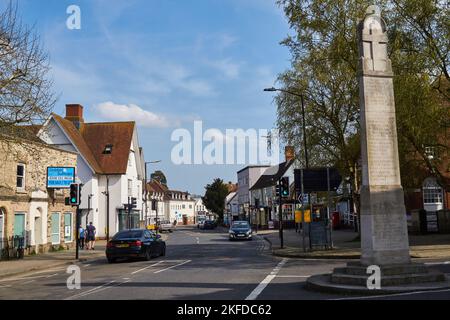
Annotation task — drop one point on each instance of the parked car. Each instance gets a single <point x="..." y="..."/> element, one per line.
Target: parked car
<point x="200" y="224"/>
<point x="135" y="243"/>
<point x="240" y="230"/>
<point x="166" y="225"/>
<point x="209" y="224"/>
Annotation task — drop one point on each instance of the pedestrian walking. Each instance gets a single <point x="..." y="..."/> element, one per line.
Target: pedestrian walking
<point x="91" y="231"/>
<point x="82" y="236"/>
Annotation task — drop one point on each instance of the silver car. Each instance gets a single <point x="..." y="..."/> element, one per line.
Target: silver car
<point x="166" y="226"/>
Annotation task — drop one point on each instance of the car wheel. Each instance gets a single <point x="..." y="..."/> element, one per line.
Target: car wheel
<point x="148" y="254"/>
<point x="163" y="251"/>
<point x="111" y="260"/>
<point x="170" y="231"/>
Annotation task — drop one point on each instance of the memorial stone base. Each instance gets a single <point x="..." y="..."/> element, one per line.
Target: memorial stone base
<point x="396" y="278"/>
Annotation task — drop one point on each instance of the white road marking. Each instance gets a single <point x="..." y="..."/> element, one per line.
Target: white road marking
<point x="27" y="282"/>
<point x="27" y="278"/>
<point x="155" y="264"/>
<point x="198" y="240"/>
<point x="104" y="288"/>
<point x="86" y="265"/>
<point x="180" y="264"/>
<point x="89" y="291"/>
<point x="255" y="293"/>
<point x="393" y="295"/>
<point x="436" y="263"/>
<point x="292" y="276"/>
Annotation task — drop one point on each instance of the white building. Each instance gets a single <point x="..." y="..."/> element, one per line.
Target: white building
<point x="264" y="193"/>
<point x="110" y="165"/>
<point x="169" y="204"/>
<point x="180" y="207"/>
<point x="247" y="177"/>
<point x="156" y="204"/>
<point x="201" y="213"/>
<point x="231" y="208"/>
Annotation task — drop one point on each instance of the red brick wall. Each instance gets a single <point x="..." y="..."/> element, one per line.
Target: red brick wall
<point x="413" y="200"/>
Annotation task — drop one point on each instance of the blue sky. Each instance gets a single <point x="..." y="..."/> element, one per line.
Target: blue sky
<point x="166" y="63"/>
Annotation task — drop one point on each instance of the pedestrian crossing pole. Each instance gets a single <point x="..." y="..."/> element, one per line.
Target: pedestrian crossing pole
<point x="77" y="232"/>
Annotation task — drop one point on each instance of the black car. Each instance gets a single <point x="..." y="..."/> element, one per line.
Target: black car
<point x="209" y="224"/>
<point x="136" y="243"/>
<point x="240" y="230"/>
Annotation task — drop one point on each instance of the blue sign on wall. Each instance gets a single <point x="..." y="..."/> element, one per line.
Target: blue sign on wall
<point x="60" y="177"/>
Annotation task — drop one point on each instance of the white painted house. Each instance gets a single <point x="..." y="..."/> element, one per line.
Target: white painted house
<point x="180" y="207"/>
<point x="172" y="205"/>
<point x="110" y="166"/>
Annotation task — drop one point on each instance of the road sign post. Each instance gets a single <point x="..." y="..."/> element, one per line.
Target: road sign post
<point x="74" y="200"/>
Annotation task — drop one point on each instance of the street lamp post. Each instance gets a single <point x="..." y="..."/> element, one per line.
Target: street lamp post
<point x="272" y="89"/>
<point x="303" y="117"/>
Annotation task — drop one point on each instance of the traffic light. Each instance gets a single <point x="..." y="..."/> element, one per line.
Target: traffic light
<point x="75" y="194"/>
<point x="277" y="190"/>
<point x="285" y="187"/>
<point x="133" y="203"/>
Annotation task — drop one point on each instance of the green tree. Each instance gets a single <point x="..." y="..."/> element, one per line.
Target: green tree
<point x="26" y="95"/>
<point x="324" y="69"/>
<point x="214" y="198"/>
<point x="159" y="176"/>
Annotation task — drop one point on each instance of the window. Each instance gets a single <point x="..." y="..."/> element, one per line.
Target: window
<point x="20" y="176"/>
<point x="130" y="187"/>
<point x="68" y="227"/>
<point x="432" y="195"/>
<point x="184" y="206"/>
<point x="432" y="191"/>
<point x="190" y="206"/>
<point x="19" y="224"/>
<point x="108" y="149"/>
<point x="55" y="236"/>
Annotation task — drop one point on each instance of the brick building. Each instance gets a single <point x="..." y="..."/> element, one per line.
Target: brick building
<point x="29" y="210"/>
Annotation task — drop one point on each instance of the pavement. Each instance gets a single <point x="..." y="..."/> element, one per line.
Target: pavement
<point x="199" y="265"/>
<point x="346" y="245"/>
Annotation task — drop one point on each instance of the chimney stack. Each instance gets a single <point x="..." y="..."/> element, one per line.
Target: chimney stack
<point x="289" y="153"/>
<point x="74" y="113"/>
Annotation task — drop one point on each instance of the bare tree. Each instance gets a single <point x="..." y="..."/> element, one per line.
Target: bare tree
<point x="26" y="96"/>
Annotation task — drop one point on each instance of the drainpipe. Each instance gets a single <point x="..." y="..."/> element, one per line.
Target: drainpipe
<point x="107" y="208"/>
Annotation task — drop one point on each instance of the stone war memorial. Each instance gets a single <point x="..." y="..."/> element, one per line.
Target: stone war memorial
<point x="384" y="234"/>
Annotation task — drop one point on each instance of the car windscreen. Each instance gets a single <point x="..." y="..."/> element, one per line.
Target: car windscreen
<point x="240" y="224"/>
<point x="128" y="235"/>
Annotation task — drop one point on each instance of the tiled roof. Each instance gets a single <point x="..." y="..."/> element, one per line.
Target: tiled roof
<point x="91" y="139"/>
<point x="272" y="175"/>
<point x="157" y="187"/>
<point x="117" y="134"/>
<point x="78" y="140"/>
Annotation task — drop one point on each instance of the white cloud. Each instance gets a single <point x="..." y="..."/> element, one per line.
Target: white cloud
<point x="131" y="112"/>
<point x="227" y="67"/>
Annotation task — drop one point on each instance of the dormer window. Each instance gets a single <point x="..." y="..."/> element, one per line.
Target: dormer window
<point x="108" y="149"/>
